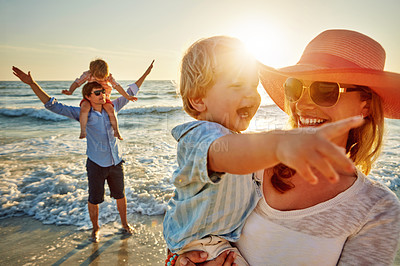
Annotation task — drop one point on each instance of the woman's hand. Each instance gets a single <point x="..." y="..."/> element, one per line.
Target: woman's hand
<point x="192" y="258"/>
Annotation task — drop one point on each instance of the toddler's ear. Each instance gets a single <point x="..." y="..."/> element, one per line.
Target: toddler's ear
<point x="198" y="104"/>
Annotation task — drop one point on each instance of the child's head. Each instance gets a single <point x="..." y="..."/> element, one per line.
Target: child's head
<point x="99" y="69"/>
<point x="218" y="82"/>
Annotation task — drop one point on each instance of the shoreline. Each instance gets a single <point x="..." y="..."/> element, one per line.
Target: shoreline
<point x="26" y="241"/>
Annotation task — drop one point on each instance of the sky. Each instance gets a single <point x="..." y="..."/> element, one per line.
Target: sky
<point x="56" y="40"/>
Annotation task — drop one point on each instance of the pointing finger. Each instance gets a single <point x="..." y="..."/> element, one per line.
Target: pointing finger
<point x="338" y="128"/>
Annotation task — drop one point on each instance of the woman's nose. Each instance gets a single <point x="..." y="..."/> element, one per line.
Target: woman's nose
<point x="305" y="100"/>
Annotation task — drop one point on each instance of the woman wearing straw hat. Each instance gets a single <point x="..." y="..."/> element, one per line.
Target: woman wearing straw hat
<point x="355" y="221"/>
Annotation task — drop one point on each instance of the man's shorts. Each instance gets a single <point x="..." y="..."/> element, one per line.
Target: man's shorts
<point x="97" y="176"/>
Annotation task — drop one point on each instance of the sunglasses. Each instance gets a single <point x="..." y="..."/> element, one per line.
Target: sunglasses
<point x="97" y="93"/>
<point x="325" y="94"/>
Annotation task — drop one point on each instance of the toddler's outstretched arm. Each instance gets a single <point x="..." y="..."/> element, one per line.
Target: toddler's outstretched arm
<point x="123" y="92"/>
<point x="301" y="149"/>
<point x="71" y="90"/>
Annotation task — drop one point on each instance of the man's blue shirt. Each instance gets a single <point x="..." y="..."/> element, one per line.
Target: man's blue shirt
<point x="102" y="146"/>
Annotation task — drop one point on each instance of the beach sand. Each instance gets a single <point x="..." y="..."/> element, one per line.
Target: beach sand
<point x="26" y="241"/>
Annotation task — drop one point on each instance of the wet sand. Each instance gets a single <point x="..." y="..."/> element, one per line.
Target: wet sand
<point x="26" y="241"/>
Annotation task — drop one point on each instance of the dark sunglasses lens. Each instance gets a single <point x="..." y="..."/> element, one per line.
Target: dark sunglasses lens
<point x="97" y="93"/>
<point x="293" y="89"/>
<point x="324" y="93"/>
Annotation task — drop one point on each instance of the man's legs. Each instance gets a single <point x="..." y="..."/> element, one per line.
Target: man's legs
<point x="96" y="179"/>
<point x="94" y="217"/>
<point x="121" y="205"/>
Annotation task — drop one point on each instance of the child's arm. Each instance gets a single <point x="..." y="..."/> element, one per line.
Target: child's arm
<point x="77" y="83"/>
<point x="123" y="92"/>
<point x="300" y="149"/>
<point x="71" y="90"/>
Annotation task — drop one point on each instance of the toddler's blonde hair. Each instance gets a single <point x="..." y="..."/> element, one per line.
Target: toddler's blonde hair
<point x="99" y="68"/>
<point x="197" y="72"/>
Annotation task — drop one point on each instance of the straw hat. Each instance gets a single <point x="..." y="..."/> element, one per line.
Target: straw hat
<point x="342" y="56"/>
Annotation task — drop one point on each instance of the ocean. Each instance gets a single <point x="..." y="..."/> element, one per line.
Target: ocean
<point x="42" y="160"/>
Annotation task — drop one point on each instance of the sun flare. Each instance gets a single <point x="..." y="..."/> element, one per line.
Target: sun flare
<point x="262" y="42"/>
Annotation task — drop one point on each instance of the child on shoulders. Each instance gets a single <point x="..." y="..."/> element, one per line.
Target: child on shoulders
<point x="98" y="72"/>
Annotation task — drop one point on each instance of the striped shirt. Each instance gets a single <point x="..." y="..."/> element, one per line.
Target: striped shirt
<point x="205" y="204"/>
<point x="86" y="76"/>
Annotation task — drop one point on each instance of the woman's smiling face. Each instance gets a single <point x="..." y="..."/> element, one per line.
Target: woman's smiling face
<point x="307" y="114"/>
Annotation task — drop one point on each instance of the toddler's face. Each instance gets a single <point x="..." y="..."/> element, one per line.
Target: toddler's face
<point x="234" y="99"/>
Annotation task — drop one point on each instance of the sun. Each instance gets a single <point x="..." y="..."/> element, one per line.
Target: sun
<point x="261" y="41"/>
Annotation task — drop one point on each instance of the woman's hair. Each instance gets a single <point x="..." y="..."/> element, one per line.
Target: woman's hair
<point x="99" y="68"/>
<point x="363" y="146"/>
<point x="364" y="143"/>
<point x="197" y="71"/>
<point x="87" y="88"/>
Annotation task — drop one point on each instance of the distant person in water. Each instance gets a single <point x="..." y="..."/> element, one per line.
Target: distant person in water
<point x="104" y="158"/>
<point x="98" y="72"/>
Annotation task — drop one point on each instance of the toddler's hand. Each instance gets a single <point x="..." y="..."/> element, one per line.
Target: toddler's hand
<point x="305" y="148"/>
<point x="131" y="98"/>
<point x="66" y="92"/>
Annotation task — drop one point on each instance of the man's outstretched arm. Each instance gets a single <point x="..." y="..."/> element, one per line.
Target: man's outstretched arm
<point x="54" y="106"/>
<point x="145" y="74"/>
<point x="121" y="101"/>
<point x="27" y="79"/>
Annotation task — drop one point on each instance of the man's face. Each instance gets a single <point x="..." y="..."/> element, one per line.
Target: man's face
<point x="97" y="96"/>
